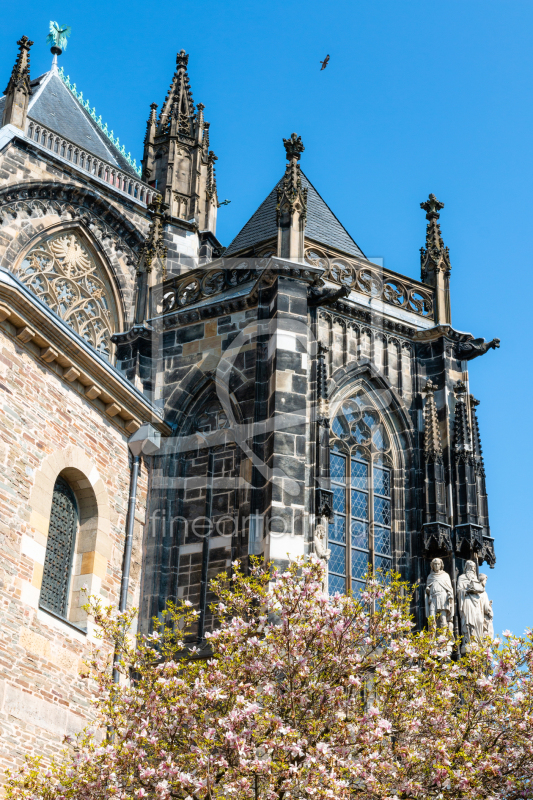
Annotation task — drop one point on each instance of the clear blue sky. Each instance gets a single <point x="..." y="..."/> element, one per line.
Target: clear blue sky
<point x="418" y="97"/>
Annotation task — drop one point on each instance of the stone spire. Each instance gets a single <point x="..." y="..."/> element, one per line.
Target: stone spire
<point x="149" y="139"/>
<point x="291" y="208"/>
<point x="435" y="261"/>
<point x="18" y="89"/>
<point x="152" y="249"/>
<point x="476" y="438"/>
<point x="177" y="160"/>
<point x="463" y="440"/>
<point x="432" y="439"/>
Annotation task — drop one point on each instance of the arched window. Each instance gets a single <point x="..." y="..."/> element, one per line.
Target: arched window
<point x="59" y="550"/>
<point x="360" y="463"/>
<point x="63" y="271"/>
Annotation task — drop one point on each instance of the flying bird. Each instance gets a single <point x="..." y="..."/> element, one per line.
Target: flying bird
<point x="58" y="36"/>
<point x="324" y="63"/>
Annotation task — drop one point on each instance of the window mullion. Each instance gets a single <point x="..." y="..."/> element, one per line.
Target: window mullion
<point x="349" y="522"/>
<point x="371" y="549"/>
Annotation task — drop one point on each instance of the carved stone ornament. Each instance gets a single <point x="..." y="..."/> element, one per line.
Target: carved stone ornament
<point x="106" y="224"/>
<point x="437" y="538"/>
<point x="356" y="276"/>
<point x="321" y="548"/>
<point x="473" y="348"/>
<point x="439" y="596"/>
<point x="62" y="271"/>
<point x="474" y="606"/>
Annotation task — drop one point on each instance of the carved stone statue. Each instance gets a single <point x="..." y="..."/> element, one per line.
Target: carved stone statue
<point x="439" y="596"/>
<point x="472" y="601"/>
<point x="488" y="614"/>
<point x="321" y="548"/>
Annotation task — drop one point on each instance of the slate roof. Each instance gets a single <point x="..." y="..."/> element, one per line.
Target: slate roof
<point x="322" y="225"/>
<point x="53" y="105"/>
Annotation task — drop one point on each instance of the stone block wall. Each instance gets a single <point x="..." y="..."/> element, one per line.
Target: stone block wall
<point x="47" y="429"/>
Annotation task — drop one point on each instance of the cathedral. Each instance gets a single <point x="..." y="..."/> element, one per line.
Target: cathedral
<point x="171" y="403"/>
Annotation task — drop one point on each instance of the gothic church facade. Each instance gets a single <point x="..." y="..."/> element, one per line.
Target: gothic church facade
<point x="170" y="405"/>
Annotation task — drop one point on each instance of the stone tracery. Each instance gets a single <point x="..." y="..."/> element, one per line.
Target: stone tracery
<point x="63" y="272"/>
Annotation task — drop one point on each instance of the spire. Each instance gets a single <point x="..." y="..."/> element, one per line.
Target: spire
<point x="476" y="438"/>
<point x="148" y="156"/>
<point x="18" y="89"/>
<point x="432" y="440"/>
<point x="435" y="261"/>
<point x="152" y="249"/>
<point x="291" y="209"/>
<point x="177" y="160"/>
<point x="178" y="113"/>
<point x="463" y="441"/>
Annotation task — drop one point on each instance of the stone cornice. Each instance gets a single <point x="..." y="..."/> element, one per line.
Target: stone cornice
<point x="54" y="343"/>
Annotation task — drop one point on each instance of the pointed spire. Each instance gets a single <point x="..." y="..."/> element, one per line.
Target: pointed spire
<point x="18" y="90"/>
<point x="178" y="113"/>
<point x="153" y="248"/>
<point x="432" y="439"/>
<point x="291" y="209"/>
<point x="435" y="260"/>
<point x="463" y="440"/>
<point x="476" y="438"/>
<point x="177" y="160"/>
<point x="148" y="155"/>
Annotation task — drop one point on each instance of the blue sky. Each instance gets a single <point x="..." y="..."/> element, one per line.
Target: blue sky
<point x="418" y="97"/>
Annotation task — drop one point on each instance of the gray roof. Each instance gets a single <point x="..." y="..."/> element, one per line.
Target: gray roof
<point x="322" y="225"/>
<point x="53" y="105"/>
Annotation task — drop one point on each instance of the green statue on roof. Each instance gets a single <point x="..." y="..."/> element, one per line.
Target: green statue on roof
<point x="58" y="38"/>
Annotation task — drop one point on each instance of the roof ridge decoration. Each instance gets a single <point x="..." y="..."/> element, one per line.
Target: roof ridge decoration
<point x="98" y="120"/>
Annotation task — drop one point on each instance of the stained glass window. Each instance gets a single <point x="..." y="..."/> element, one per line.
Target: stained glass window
<point x="63" y="272"/>
<point x="361" y="484"/>
<point x="59" y="550"/>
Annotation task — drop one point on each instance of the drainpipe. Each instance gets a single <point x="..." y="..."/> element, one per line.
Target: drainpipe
<point x="145" y="441"/>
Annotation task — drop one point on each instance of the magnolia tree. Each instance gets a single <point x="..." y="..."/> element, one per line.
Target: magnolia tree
<point x="302" y="696"/>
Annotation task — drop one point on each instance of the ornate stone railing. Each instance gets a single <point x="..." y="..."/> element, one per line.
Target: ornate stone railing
<point x="84" y="160"/>
<point x="178" y="292"/>
<point x="360" y="276"/>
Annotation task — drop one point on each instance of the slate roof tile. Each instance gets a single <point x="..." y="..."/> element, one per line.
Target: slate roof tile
<point x="56" y="107"/>
<point x="322" y="225"/>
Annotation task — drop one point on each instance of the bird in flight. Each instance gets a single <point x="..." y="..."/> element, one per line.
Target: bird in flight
<point x="324" y="63"/>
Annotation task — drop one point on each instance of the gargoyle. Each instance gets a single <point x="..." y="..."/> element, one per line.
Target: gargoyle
<point x="474" y="348"/>
<point x="317" y="295"/>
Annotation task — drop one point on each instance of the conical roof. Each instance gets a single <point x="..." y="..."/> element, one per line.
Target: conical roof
<point x="52" y="104"/>
<point x="322" y="226"/>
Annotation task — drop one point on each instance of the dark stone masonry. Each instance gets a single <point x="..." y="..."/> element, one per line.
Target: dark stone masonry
<point x="266" y="392"/>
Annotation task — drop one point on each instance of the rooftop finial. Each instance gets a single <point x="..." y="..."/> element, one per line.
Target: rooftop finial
<point x="58" y="39"/>
<point x="293" y="147"/>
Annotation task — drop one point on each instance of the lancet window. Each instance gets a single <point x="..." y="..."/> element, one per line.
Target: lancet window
<point x="59" y="550"/>
<point x="361" y="469"/>
<point x="63" y="272"/>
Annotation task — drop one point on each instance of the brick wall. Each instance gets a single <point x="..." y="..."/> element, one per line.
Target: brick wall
<point x="46" y="428"/>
